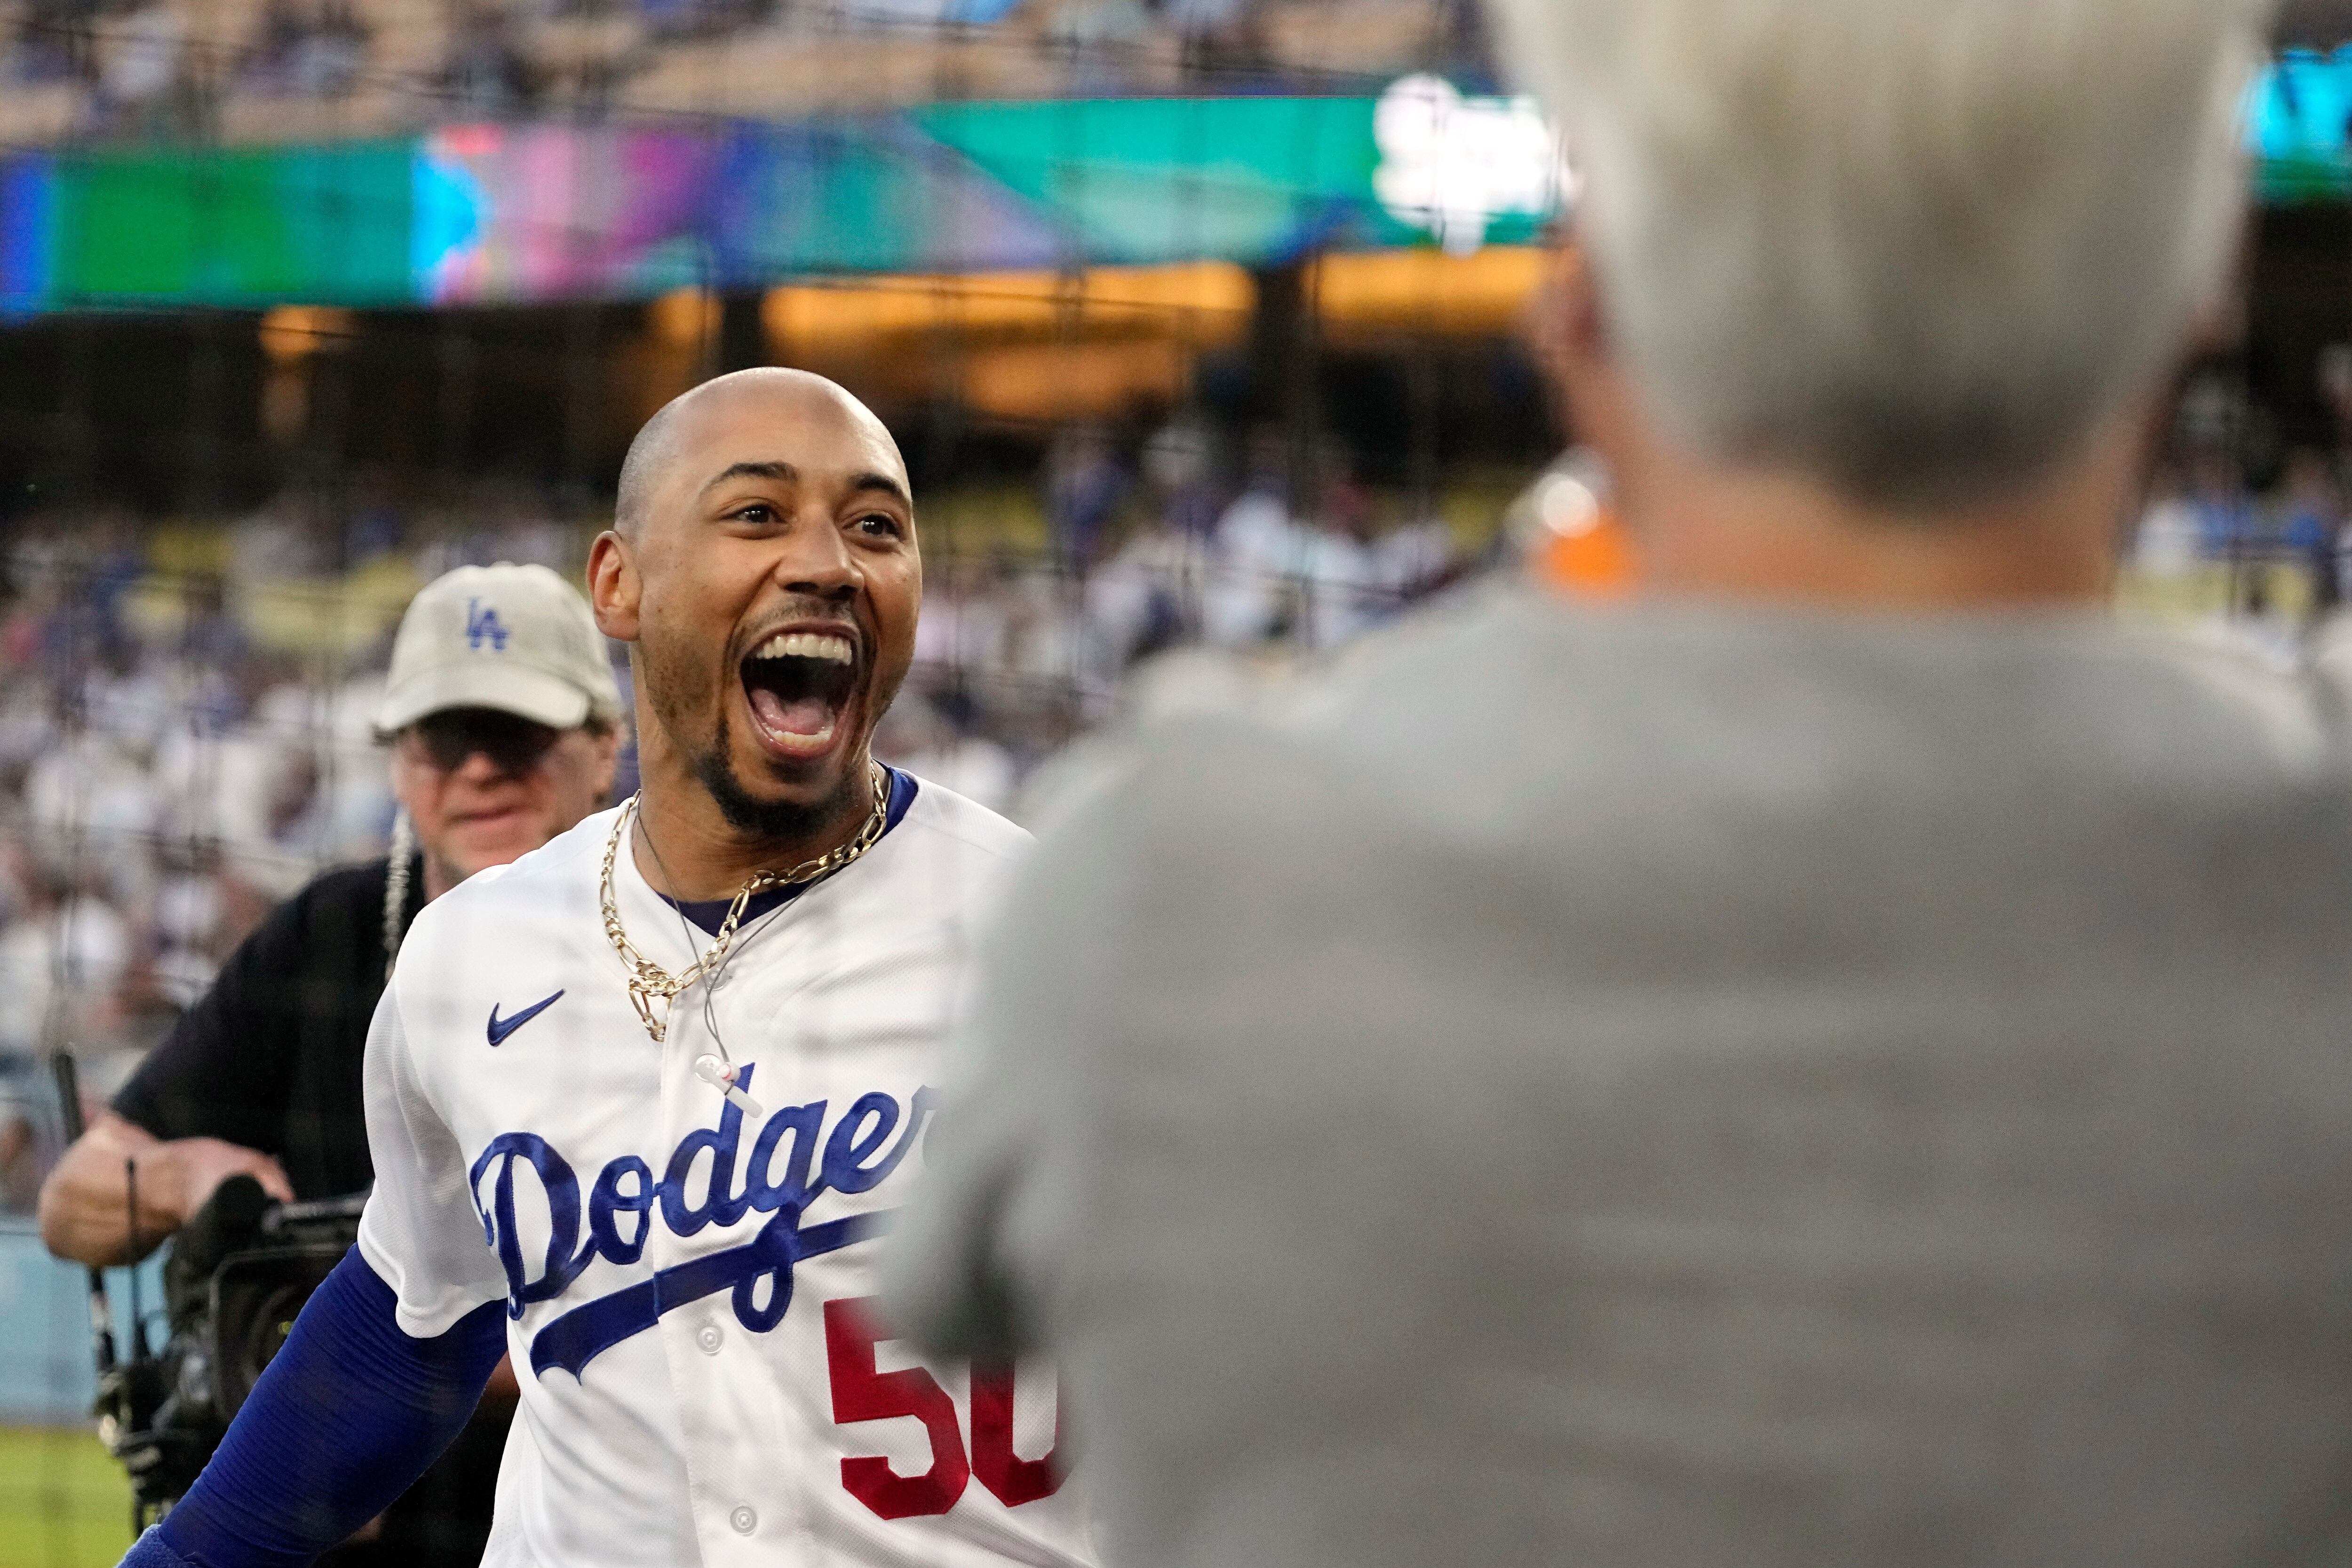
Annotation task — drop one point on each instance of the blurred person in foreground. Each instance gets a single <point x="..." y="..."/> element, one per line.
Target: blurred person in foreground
<point x="1836" y="1060"/>
<point x="503" y="718"/>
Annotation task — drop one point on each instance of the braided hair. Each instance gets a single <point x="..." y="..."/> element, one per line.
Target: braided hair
<point x="395" y="888"/>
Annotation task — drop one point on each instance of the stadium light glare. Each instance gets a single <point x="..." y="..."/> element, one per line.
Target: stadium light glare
<point x="1451" y="165"/>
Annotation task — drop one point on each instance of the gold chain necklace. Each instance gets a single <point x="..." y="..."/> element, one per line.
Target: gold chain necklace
<point x="649" y="981"/>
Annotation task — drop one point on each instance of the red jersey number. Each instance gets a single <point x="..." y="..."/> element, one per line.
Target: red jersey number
<point x="862" y="1392"/>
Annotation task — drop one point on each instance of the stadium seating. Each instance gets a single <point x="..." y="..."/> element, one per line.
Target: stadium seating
<point x="306" y="70"/>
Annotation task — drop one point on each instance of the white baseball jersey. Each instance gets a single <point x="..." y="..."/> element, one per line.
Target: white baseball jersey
<point x="689" y="1287"/>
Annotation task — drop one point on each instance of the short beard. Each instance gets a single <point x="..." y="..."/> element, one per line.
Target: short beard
<point x="779" y="822"/>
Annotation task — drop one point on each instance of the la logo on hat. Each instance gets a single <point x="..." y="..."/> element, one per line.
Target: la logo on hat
<point x="553" y="665"/>
<point x="482" y="625"/>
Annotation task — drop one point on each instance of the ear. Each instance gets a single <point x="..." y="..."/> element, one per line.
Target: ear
<point x="1578" y="354"/>
<point x="615" y="588"/>
<point x="1569" y="330"/>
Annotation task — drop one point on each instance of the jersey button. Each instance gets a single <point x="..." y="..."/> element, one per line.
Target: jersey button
<point x="707" y="1337"/>
<point x="744" y="1521"/>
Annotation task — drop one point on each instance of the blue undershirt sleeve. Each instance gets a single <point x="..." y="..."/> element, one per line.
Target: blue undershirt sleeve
<point x="347" y="1415"/>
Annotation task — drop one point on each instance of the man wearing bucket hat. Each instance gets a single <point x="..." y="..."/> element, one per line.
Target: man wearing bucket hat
<point x="503" y="719"/>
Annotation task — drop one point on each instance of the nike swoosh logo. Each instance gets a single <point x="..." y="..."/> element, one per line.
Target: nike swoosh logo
<point x="501" y="1028"/>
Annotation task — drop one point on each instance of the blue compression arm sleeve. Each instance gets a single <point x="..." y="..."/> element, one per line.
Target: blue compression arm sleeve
<point x="347" y="1415"/>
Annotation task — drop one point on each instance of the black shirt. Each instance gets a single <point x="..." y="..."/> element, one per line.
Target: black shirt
<point x="270" y="1057"/>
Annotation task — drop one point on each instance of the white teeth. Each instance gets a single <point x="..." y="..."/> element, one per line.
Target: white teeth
<point x="806" y="645"/>
<point x="792" y="739"/>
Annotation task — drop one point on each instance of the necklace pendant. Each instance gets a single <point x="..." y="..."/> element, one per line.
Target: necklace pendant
<point x="649" y="981"/>
<point x="655" y="1027"/>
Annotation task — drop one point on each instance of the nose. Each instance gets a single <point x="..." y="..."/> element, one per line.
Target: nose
<point x="480" y="767"/>
<point x="814" y="559"/>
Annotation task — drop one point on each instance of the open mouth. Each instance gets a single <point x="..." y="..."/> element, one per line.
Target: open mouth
<point x="798" y="683"/>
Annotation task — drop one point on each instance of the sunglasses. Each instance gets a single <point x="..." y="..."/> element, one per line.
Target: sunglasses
<point x="514" y="745"/>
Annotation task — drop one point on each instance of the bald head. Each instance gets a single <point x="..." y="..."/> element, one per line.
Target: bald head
<point x="793" y="395"/>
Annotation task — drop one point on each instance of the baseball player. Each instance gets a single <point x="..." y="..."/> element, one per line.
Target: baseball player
<point x="641" y="1102"/>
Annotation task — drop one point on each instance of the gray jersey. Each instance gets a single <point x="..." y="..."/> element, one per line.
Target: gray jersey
<point x="1628" y="1088"/>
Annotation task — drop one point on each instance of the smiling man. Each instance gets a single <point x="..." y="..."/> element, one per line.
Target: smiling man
<point x="503" y="721"/>
<point x="640" y="1103"/>
<point x="762" y="693"/>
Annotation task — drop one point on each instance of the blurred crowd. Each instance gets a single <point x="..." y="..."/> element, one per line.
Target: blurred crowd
<point x="2245" y="535"/>
<point x="256" y="69"/>
<point x="183" y="745"/>
<point x="1267" y="548"/>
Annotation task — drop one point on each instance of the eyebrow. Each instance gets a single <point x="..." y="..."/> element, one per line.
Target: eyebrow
<point x="787" y="474"/>
<point x="783" y="471"/>
<point x="884" y="482"/>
